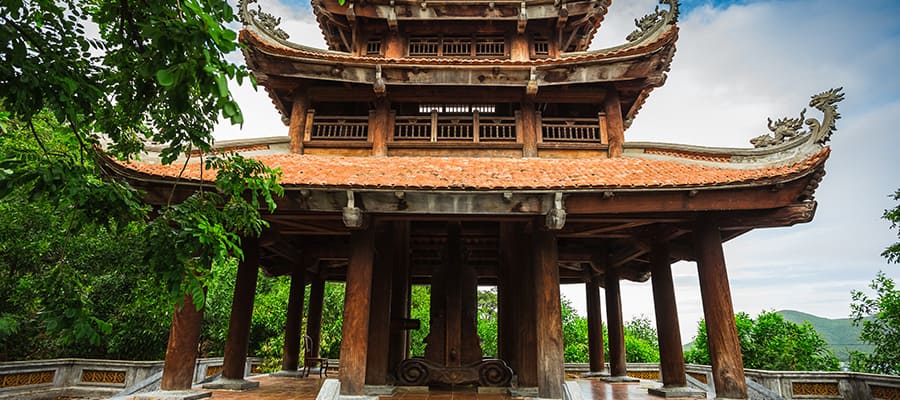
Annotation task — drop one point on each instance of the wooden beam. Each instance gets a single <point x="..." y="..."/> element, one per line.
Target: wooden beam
<point x="358" y="291"/>
<point x="724" y="346"/>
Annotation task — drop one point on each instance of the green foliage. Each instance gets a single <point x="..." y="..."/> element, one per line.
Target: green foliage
<point x="880" y="320"/>
<point x="487" y="321"/>
<point x="420" y="306"/>
<point x="772" y="343"/>
<point x="892" y="252"/>
<point x="575" y="338"/>
<point x="641" y="340"/>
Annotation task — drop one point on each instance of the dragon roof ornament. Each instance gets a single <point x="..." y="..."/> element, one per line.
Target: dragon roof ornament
<point x="265" y="22"/>
<point x="788" y="130"/>
<point x="652" y="22"/>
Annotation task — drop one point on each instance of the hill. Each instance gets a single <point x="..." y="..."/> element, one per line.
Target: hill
<point x="840" y="333"/>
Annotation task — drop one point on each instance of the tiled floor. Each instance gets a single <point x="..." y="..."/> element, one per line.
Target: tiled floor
<point x="273" y="388"/>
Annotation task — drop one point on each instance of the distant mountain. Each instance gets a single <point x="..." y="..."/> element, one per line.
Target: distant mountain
<point x="840" y="333"/>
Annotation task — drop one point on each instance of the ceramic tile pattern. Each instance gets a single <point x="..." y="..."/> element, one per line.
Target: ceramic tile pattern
<point x="462" y="173"/>
<point x="273" y="388"/>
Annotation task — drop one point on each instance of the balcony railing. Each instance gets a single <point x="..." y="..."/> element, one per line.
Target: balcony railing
<point x="471" y="128"/>
<point x="339" y="128"/>
<point x="570" y="130"/>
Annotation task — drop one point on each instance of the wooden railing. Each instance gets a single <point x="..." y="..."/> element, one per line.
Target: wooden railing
<point x="471" y="128"/>
<point x="570" y="130"/>
<point x="339" y="128"/>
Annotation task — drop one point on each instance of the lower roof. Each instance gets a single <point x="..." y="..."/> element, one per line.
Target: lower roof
<point x="472" y="173"/>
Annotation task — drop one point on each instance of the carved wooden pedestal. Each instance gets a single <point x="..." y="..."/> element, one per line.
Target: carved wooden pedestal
<point x="421" y="372"/>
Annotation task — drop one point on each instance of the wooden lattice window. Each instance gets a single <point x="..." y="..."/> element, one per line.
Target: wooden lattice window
<point x="490" y="46"/>
<point x="457" y="46"/>
<point x="541" y="46"/>
<point x="424" y="46"/>
<point x="373" y="47"/>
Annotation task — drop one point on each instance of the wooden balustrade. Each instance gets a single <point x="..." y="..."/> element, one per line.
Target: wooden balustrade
<point x="454" y="128"/>
<point x="570" y="130"/>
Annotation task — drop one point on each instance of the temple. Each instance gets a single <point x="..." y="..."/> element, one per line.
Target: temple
<point x="459" y="143"/>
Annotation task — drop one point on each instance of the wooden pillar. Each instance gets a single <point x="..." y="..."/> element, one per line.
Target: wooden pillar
<point x="671" y="355"/>
<point x="525" y="362"/>
<point x="393" y="46"/>
<point x="380" y="306"/>
<point x="380" y="126"/>
<point x="529" y="129"/>
<point x="358" y="291"/>
<point x="508" y="295"/>
<point x="615" y="126"/>
<point x="241" y="312"/>
<point x="291" y="352"/>
<point x="519" y="49"/>
<point x="399" y="337"/>
<point x="595" y="323"/>
<point x="616" y="328"/>
<point x="314" y="318"/>
<point x="724" y="347"/>
<point x="298" y="120"/>
<point x="549" y="319"/>
<point x="181" y="352"/>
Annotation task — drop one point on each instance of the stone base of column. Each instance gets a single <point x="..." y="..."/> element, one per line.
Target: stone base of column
<point x="379" y="390"/>
<point x="601" y="374"/>
<point x="620" y="379"/>
<point x="231" y="384"/>
<point x="172" y="395"/>
<point x="680" y="392"/>
<point x="288" y="374"/>
<point x="526" y="392"/>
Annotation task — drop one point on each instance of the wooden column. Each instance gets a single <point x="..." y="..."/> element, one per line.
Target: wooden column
<point x="380" y="127"/>
<point x="671" y="355"/>
<point x="380" y="306"/>
<point x="724" y="347"/>
<point x="525" y="365"/>
<point x="291" y="352"/>
<point x="314" y="318"/>
<point x="358" y="291"/>
<point x="519" y="49"/>
<point x="508" y="295"/>
<point x="615" y="329"/>
<point x="549" y="319"/>
<point x="393" y="46"/>
<point x="399" y="337"/>
<point x="615" y="126"/>
<point x="181" y="352"/>
<point x="595" y="323"/>
<point x="298" y="120"/>
<point x="529" y="129"/>
<point x="241" y="312"/>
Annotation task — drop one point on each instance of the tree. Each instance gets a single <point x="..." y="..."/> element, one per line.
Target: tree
<point x="880" y="320"/>
<point x="773" y="343"/>
<point x="892" y="252"/>
<point x="641" y="340"/>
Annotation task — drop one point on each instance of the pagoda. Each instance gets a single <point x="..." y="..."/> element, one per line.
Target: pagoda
<point x="460" y="143"/>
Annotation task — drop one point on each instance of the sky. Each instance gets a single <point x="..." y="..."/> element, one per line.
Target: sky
<point x="738" y="63"/>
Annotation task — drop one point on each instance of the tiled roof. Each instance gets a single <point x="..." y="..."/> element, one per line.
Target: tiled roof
<point x="458" y="173"/>
<point x="254" y="40"/>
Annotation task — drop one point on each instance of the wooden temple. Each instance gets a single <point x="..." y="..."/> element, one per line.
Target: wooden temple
<point x="458" y="143"/>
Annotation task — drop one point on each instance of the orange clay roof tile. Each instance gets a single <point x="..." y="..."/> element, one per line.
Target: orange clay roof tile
<point x="457" y="173"/>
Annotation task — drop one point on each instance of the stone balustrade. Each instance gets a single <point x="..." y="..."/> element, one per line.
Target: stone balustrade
<point x="75" y="377"/>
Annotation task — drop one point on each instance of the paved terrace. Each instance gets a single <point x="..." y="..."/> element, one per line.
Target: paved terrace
<point x="277" y="388"/>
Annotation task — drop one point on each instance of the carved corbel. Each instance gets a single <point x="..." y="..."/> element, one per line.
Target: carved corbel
<point x="352" y="216"/>
<point x="523" y="19"/>
<point x="379" y="86"/>
<point x="562" y="16"/>
<point x="392" y="18"/>
<point x="556" y="217"/>
<point x="532" y="88"/>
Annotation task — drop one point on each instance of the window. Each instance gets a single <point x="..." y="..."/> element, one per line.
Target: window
<point x="458" y="108"/>
<point x="457" y="46"/>
<point x="373" y="47"/>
